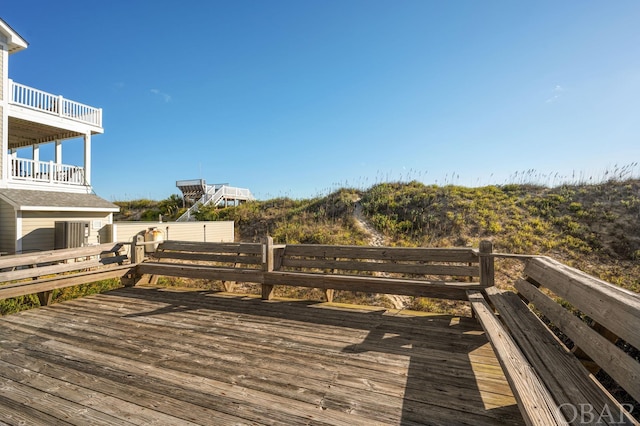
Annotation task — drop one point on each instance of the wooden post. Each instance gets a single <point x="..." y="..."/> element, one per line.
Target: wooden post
<point x="328" y="293"/>
<point x="267" y="266"/>
<point x="137" y="249"/>
<point x="45" y="297"/>
<point x="137" y="256"/>
<point x="487" y="270"/>
<point x="229" y="285"/>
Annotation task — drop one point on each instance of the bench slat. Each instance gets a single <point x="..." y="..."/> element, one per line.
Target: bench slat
<point x="47" y="284"/>
<point x="451" y="270"/>
<point x="244" y="248"/>
<point x="613" y="307"/>
<point x="419" y="288"/>
<point x="21" y="274"/>
<point x="383" y="253"/>
<point x="252" y="259"/>
<point x="200" y="271"/>
<point x="536" y="404"/>
<point x="620" y="366"/>
<point x="566" y="378"/>
<point x="56" y="255"/>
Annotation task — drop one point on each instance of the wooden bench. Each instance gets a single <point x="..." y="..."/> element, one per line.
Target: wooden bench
<point x="424" y="272"/>
<point x="42" y="272"/>
<point x="228" y="262"/>
<point x="551" y="382"/>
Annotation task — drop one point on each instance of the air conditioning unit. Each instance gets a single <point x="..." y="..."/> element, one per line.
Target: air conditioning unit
<point x="71" y="234"/>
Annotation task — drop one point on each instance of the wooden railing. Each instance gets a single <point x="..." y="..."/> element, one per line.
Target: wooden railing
<point x="228" y="262"/>
<point x="42" y="272"/>
<point x="56" y="105"/>
<point x="428" y="272"/>
<point x="46" y="171"/>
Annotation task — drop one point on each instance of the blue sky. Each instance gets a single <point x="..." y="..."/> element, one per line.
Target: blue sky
<point x="297" y="98"/>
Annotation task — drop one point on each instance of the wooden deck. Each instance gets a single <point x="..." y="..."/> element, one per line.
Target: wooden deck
<point x="152" y="356"/>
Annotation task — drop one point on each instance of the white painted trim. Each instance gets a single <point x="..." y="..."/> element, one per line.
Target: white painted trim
<point x="13" y="37"/>
<point x="87" y="159"/>
<point x="114" y="229"/>
<point x="4" y="117"/>
<point x="10" y="202"/>
<point x="67" y="209"/>
<point x="58" y="152"/>
<point x="45" y="186"/>
<point x="52" y="120"/>
<point x="18" y="232"/>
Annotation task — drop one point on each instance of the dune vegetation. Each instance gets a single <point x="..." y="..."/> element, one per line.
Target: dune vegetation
<point x="595" y="228"/>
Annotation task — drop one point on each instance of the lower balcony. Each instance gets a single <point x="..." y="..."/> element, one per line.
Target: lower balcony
<point x="25" y="170"/>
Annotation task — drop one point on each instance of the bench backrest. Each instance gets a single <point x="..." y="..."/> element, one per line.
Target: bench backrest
<point x="246" y="255"/>
<point x="363" y="260"/>
<point x="600" y="319"/>
<point x="42" y="272"/>
<point x="33" y="265"/>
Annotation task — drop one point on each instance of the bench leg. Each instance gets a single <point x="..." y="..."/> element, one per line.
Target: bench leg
<point x="134" y="279"/>
<point x="229" y="286"/>
<point x="267" y="291"/>
<point x="130" y="279"/>
<point x="329" y="294"/>
<point x="45" y="297"/>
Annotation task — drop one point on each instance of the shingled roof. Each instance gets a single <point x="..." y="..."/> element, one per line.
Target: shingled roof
<point x="33" y="200"/>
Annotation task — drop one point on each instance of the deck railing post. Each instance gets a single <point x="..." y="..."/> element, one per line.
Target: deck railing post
<point x="136" y="254"/>
<point x="137" y="249"/>
<point x="267" y="266"/>
<point x="487" y="270"/>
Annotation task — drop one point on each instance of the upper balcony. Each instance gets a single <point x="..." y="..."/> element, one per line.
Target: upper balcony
<point x="38" y="117"/>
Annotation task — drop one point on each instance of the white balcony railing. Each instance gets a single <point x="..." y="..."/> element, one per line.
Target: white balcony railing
<point x="56" y="105"/>
<point x="23" y="169"/>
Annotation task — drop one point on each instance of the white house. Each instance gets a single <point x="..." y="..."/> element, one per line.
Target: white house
<point x="35" y="194"/>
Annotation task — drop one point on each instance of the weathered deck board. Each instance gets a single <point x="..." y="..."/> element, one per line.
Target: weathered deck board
<point x="144" y="356"/>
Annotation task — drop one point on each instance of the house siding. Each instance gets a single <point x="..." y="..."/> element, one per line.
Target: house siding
<point x="38" y="228"/>
<point x="3" y="53"/>
<point x="2" y="136"/>
<point x="8" y="231"/>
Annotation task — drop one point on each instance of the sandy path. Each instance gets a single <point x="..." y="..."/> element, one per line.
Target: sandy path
<point x="376" y="239"/>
